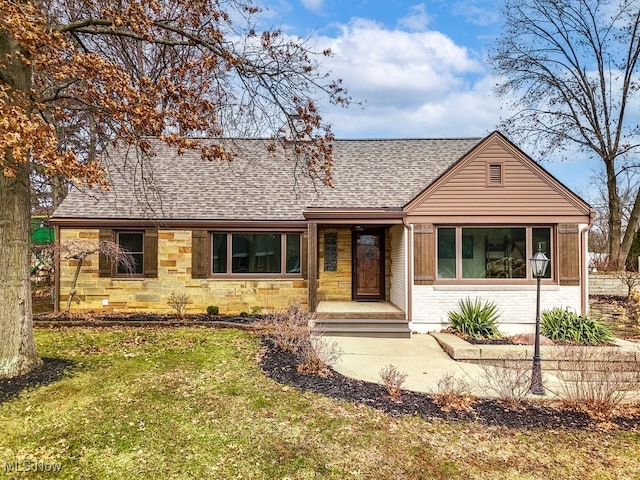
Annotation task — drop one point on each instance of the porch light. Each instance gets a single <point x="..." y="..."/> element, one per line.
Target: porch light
<point x="539" y="263"/>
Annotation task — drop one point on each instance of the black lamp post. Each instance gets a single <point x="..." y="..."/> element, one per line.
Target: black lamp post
<point x="539" y="263"/>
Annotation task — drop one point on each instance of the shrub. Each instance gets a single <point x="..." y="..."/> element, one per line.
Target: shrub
<point x="476" y="319"/>
<point x="213" y="310"/>
<point x="511" y="381"/>
<point x="178" y="301"/>
<point x="594" y="381"/>
<point x="292" y="331"/>
<point x="565" y="325"/>
<point x="393" y="380"/>
<point x="290" y="328"/>
<point x="453" y="394"/>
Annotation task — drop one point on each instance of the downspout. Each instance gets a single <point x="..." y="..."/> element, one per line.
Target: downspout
<point x="584" y="258"/>
<point x="409" y="229"/>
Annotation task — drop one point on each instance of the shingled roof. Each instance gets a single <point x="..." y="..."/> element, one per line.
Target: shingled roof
<point x="263" y="185"/>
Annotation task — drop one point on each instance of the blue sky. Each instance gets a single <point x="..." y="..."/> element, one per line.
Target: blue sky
<point x="418" y="67"/>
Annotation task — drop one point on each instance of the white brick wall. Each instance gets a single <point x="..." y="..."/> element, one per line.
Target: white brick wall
<point x="398" y="292"/>
<point x="516" y="304"/>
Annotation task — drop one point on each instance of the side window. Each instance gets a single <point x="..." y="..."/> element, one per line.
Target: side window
<point x="132" y="242"/>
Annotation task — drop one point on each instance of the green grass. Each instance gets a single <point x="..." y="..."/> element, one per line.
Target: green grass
<point x="192" y="403"/>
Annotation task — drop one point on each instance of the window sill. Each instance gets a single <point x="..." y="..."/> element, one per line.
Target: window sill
<point x="259" y="277"/>
<point x="490" y="286"/>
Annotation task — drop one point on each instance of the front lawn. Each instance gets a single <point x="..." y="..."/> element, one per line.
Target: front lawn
<point x="193" y="403"/>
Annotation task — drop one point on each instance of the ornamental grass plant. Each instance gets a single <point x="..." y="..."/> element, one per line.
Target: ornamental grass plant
<point x="564" y="325"/>
<point x="476" y="319"/>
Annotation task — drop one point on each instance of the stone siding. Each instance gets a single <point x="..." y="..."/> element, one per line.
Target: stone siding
<point x="232" y="296"/>
<point x="335" y="286"/>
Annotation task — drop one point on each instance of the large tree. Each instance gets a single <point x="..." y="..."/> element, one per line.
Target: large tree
<point x="79" y="75"/>
<point x="570" y="70"/>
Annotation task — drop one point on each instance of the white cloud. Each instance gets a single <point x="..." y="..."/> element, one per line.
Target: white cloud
<point x="313" y="5"/>
<point x="478" y="12"/>
<point x="417" y="20"/>
<point x="415" y="84"/>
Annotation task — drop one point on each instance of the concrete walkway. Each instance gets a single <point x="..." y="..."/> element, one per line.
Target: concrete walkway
<point x="421" y="358"/>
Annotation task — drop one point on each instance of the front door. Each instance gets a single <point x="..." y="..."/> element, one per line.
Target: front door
<point x="368" y="267"/>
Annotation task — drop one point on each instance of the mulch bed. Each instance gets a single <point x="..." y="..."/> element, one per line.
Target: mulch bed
<point x="142" y="319"/>
<point x="527" y="415"/>
<point x="51" y="370"/>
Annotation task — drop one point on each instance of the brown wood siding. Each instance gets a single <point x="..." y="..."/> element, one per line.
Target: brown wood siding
<point x="569" y="254"/>
<point x="104" y="262"/>
<point x="423" y="254"/>
<point x="526" y="189"/>
<point x="199" y="254"/>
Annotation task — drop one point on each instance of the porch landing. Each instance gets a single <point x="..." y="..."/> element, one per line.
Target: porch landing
<point x="362" y="319"/>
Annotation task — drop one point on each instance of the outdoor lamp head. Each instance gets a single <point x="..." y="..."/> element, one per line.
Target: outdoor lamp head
<point x="539" y="263"/>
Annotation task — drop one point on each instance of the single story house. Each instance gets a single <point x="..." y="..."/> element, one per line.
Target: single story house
<point x="410" y="227"/>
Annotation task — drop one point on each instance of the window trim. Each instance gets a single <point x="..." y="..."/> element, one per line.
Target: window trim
<point x="255" y="275"/>
<point x="529" y="279"/>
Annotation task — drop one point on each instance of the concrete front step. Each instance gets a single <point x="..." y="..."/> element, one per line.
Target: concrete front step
<point x="364" y="327"/>
<point x="361" y="315"/>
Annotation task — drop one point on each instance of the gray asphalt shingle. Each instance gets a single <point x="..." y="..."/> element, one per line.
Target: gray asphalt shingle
<point x="261" y="185"/>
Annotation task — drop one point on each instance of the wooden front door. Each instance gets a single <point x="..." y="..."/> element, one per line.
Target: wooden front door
<point x="368" y="268"/>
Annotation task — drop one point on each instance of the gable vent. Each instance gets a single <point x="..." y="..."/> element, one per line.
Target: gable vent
<point x="495" y="174"/>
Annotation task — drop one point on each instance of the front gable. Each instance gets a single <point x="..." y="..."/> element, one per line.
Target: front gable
<point x="497" y="179"/>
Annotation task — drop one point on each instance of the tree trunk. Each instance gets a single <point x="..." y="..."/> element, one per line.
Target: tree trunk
<point x="59" y="190"/>
<point x="17" y="346"/>
<point x="616" y="258"/>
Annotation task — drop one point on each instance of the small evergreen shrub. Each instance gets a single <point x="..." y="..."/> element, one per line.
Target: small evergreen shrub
<point x="476" y="319"/>
<point x="213" y="310"/>
<point x="564" y="325"/>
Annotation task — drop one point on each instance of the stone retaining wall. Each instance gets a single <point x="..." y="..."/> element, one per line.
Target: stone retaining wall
<point x="606" y="284"/>
<point x="554" y="358"/>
